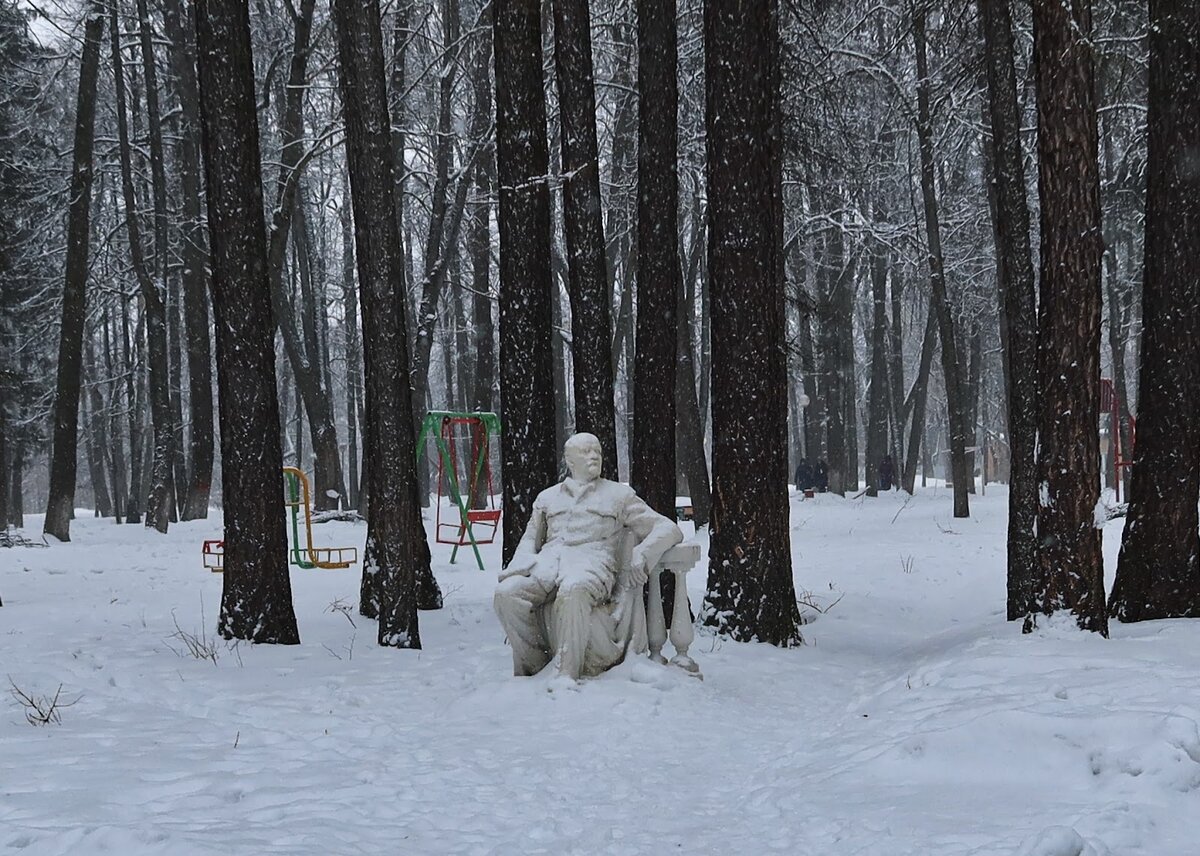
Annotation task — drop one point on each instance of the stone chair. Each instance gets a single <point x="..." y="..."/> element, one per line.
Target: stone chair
<point x="623" y="624"/>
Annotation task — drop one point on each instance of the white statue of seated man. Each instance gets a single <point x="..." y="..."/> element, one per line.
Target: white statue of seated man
<point x="568" y="562"/>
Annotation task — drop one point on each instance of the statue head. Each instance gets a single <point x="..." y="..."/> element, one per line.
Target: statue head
<point x="584" y="457"/>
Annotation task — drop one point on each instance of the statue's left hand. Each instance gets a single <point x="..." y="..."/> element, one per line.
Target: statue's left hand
<point x="520" y="566"/>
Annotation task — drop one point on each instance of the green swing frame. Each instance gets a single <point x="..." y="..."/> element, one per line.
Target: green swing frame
<point x="434" y="425"/>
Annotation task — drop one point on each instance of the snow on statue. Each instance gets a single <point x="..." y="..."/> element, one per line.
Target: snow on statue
<point x="568" y="594"/>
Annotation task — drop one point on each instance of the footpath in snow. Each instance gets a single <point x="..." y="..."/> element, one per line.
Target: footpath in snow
<point x="915" y="720"/>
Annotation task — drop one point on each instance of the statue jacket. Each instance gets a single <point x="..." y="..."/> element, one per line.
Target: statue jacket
<point x="589" y="520"/>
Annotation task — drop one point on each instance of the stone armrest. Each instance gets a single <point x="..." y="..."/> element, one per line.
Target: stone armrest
<point x="677" y="560"/>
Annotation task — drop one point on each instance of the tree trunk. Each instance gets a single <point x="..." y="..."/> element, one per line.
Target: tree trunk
<point x="833" y="323"/>
<point x="154" y="305"/>
<point x="750" y="590"/>
<point x="133" y="405"/>
<point x="814" y="437"/>
<point x="353" y="353"/>
<point x="591" y="326"/>
<point x="61" y="504"/>
<point x="5" y="474"/>
<point x="974" y="383"/>
<point x="915" y="403"/>
<point x="951" y="373"/>
<point x="116" y="450"/>
<point x="480" y="249"/>
<point x="652" y="446"/>
<point x="877" y="415"/>
<point x="896" y="364"/>
<point x="256" y="601"/>
<point x="1157" y="572"/>
<point x="396" y="547"/>
<point x="97" y="439"/>
<point x="689" y="419"/>
<point x="526" y="381"/>
<point x="1071" y="570"/>
<point x="16" y="496"/>
<point x="1018" y="300"/>
<point x="167" y="448"/>
<point x="180" y="30"/>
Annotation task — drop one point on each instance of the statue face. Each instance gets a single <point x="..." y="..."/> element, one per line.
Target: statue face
<point x="583" y="457"/>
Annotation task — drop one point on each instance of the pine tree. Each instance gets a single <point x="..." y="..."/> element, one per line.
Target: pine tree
<point x="652" y="445"/>
<point x="591" y="326"/>
<point x="1158" y="571"/>
<point x="61" y="505"/>
<point x="1018" y="299"/>
<point x="1070" y="567"/>
<point x="256" y="602"/>
<point x="750" y="590"/>
<point x="528" y="450"/>
<point x="395" y="536"/>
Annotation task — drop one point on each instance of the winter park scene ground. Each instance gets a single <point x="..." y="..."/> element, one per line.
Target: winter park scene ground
<point x="915" y="719"/>
<point x="552" y="264"/>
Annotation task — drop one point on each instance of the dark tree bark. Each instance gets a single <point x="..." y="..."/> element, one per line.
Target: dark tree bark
<point x="395" y="547"/>
<point x="657" y="364"/>
<point x="481" y="300"/>
<point x="1157" y="572"/>
<point x="951" y="372"/>
<point x="973" y="390"/>
<point x="689" y="419"/>
<point x="16" y="496"/>
<point x="116" y="452"/>
<point x="836" y="325"/>
<point x="916" y="401"/>
<point x="691" y="458"/>
<point x="353" y="353"/>
<point x="814" y="437"/>
<point x="877" y="410"/>
<point x="194" y="254"/>
<point x="170" y="471"/>
<point x="154" y="306"/>
<point x="480" y="249"/>
<point x="896" y="365"/>
<point x="1070" y="567"/>
<point x="591" y="326"/>
<point x="96" y="438"/>
<point x="526" y="380"/>
<point x="652" y="444"/>
<point x="1018" y="300"/>
<point x="750" y="590"/>
<point x="5" y="473"/>
<point x="256" y="601"/>
<point x="130" y="350"/>
<point x="61" y="503"/>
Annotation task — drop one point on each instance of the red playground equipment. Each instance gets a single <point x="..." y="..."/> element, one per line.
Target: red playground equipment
<point x="1110" y="404"/>
<point x="473" y="526"/>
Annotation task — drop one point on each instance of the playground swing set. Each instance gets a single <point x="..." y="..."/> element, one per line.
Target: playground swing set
<point x="297" y="499"/>
<point x="464" y="526"/>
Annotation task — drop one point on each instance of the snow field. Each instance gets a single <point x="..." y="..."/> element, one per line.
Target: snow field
<point x="915" y="720"/>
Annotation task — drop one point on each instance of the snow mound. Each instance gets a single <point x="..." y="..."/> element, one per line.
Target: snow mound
<point x="1059" y="841"/>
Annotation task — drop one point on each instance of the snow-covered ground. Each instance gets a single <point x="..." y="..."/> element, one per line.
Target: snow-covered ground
<point x="915" y="720"/>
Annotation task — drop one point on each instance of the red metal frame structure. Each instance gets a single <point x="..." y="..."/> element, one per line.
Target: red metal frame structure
<point x="461" y="532"/>
<point x="1110" y="403"/>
